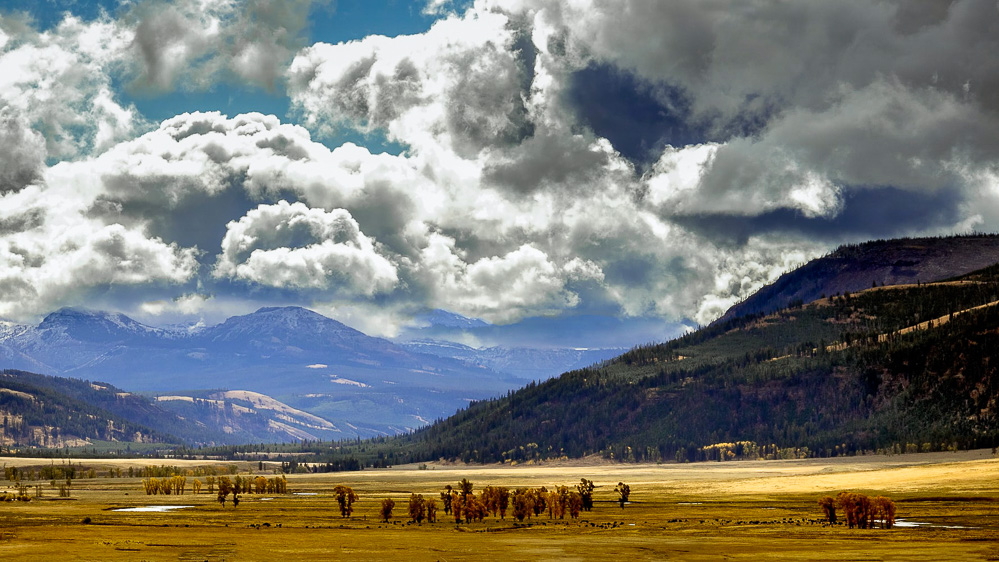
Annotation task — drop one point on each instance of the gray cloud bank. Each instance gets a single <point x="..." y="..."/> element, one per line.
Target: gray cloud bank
<point x="643" y="158"/>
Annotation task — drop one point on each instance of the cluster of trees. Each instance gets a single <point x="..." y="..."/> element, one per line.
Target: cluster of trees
<point x="420" y="508"/>
<point x="462" y="503"/>
<point x="174" y="484"/>
<point x="21" y="494"/>
<point x="241" y="485"/>
<point x="859" y="510"/>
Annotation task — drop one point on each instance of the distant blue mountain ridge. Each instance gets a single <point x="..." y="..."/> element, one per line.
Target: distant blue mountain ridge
<point x="364" y="384"/>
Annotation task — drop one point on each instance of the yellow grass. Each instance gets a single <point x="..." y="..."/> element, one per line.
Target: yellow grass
<point x="747" y="510"/>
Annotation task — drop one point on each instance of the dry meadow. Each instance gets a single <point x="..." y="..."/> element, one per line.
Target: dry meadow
<point x="746" y="510"/>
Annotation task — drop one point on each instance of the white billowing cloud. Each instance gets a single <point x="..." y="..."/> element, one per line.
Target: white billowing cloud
<point x="459" y="85"/>
<point x="59" y="83"/>
<point x="294" y="246"/>
<point x="497" y="288"/>
<point x="52" y="255"/>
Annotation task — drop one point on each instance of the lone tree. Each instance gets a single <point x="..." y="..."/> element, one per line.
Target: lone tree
<point x="623" y="491"/>
<point x="585" y="488"/>
<point x="386" y="512"/>
<point x="345" y="498"/>
<point x="417" y="508"/>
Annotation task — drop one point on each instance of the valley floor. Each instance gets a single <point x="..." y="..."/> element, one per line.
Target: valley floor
<point x="747" y="510"/>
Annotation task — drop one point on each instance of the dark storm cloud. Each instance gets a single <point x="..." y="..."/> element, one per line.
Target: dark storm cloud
<point x="23" y="153"/>
<point x="637" y="117"/>
<point x="885" y="212"/>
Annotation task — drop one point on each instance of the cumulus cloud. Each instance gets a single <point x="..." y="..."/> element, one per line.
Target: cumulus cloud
<point x="54" y="256"/>
<point x="461" y="84"/>
<point x="59" y="84"/>
<point x="291" y="245"/>
<point x="193" y="43"/>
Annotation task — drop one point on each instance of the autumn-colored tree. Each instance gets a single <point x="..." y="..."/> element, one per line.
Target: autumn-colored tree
<point x="225" y="488"/>
<point x="585" y="488"/>
<point x="417" y="508"/>
<point x="475" y="509"/>
<point x="556" y="503"/>
<point x="457" y="503"/>
<point x="386" y="511"/>
<point x="540" y="497"/>
<point x="884" y="511"/>
<point x="575" y="504"/>
<point x="828" y="505"/>
<point x="503" y="500"/>
<point x="857" y="509"/>
<point x="465" y="487"/>
<point x="237" y="488"/>
<point x="431" y="505"/>
<point x="446" y="498"/>
<point x="260" y="485"/>
<point x="151" y="486"/>
<point x="623" y="493"/>
<point x="197" y="486"/>
<point x="489" y="497"/>
<point x="210" y="480"/>
<point x="345" y="498"/>
<point x="523" y="504"/>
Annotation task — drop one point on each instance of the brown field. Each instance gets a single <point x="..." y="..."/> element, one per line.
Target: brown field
<point x="746" y="510"/>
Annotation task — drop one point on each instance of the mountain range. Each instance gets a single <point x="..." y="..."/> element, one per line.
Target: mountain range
<point x="361" y="385"/>
<point x="862" y="365"/>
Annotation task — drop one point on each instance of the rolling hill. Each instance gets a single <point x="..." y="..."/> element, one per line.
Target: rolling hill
<point x="54" y="412"/>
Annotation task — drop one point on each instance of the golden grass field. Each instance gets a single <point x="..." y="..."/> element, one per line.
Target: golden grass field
<point x="744" y="510"/>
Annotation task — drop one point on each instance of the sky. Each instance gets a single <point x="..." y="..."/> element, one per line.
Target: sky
<point x="647" y="162"/>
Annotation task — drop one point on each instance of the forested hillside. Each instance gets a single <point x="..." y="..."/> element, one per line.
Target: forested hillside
<point x="907" y="367"/>
<point x="42" y="411"/>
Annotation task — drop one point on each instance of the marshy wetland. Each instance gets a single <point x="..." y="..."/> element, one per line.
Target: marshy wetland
<point x="947" y="509"/>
